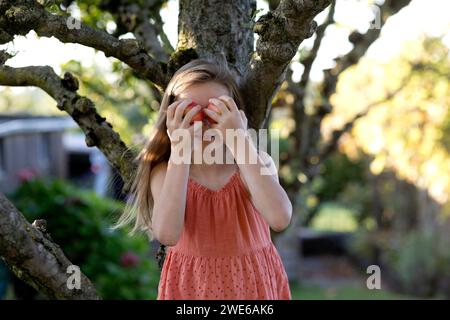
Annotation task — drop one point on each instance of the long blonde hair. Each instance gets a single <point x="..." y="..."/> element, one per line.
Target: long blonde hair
<point x="157" y="149"/>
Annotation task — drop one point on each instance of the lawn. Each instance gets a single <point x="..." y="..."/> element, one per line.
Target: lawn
<point x="309" y="292"/>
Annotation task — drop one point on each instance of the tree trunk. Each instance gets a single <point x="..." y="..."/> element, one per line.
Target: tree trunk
<point x="218" y="28"/>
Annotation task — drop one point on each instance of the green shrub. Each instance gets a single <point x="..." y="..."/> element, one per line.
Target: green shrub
<point x="419" y="260"/>
<point x="79" y="221"/>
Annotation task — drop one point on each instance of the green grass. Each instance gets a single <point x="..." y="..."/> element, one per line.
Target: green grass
<point x="307" y="292"/>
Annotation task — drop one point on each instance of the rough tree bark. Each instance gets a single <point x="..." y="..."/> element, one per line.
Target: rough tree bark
<point x="218" y="28"/>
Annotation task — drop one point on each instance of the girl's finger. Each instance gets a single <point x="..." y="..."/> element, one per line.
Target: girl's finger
<point x="229" y="102"/>
<point x="189" y="115"/>
<point x="180" y="110"/>
<point x="219" y="104"/>
<point x="212" y="133"/>
<point x="171" y="109"/>
<point x="244" y="117"/>
<point x="213" y="115"/>
<point x="195" y="128"/>
<point x="196" y="131"/>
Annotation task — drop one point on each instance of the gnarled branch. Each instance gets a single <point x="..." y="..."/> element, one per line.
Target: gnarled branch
<point x="19" y="17"/>
<point x="361" y="43"/>
<point x="308" y="60"/>
<point x="37" y="260"/>
<point x="98" y="131"/>
<point x="281" y="31"/>
<point x="299" y="89"/>
<point x="309" y="129"/>
<point x="135" y="17"/>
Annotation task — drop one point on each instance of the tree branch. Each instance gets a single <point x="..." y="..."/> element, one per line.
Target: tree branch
<point x="312" y="168"/>
<point x="37" y="260"/>
<point x="308" y="61"/>
<point x="19" y="17"/>
<point x="299" y="89"/>
<point x="310" y="127"/>
<point x="98" y="131"/>
<point x="361" y="43"/>
<point x="135" y="18"/>
<point x="165" y="40"/>
<point x="280" y="33"/>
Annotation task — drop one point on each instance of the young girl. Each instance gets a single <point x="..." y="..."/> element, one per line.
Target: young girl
<point x="214" y="218"/>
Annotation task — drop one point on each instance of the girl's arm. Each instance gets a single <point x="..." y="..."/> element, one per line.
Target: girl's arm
<point x="169" y="180"/>
<point x="267" y="195"/>
<point x="169" y="187"/>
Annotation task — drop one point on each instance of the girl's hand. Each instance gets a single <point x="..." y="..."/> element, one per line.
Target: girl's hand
<point x="229" y="116"/>
<point x="175" y="122"/>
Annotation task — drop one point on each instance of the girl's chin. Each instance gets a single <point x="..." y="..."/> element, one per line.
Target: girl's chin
<point x="206" y="124"/>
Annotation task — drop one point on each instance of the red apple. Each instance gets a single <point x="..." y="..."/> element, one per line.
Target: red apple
<point x="199" y="116"/>
<point x="212" y="107"/>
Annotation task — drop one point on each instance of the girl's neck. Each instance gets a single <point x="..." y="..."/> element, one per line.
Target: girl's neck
<point x="212" y="170"/>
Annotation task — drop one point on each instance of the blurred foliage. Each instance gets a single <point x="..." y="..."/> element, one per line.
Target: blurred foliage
<point x="100" y="14"/>
<point x="79" y="221"/>
<point x="389" y="182"/>
<point x="125" y="100"/>
<point x="339" y="198"/>
<point x="337" y="172"/>
<point x="404" y="134"/>
<point x="419" y="261"/>
<point x="402" y="139"/>
<point x="92" y="14"/>
<point x="129" y="102"/>
<point x="32" y="101"/>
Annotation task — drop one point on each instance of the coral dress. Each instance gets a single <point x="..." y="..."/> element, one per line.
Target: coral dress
<point x="224" y="251"/>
